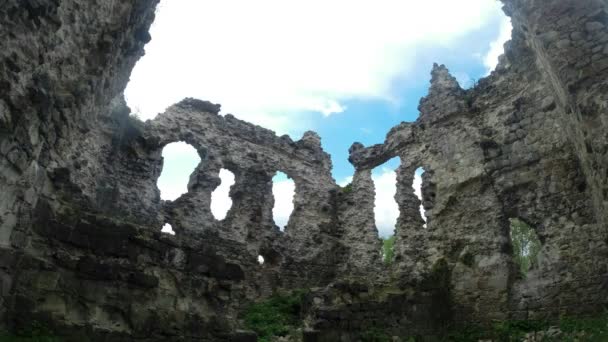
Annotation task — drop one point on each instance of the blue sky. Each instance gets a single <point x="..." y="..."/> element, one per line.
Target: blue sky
<point x="348" y="70"/>
<point x="368" y="121"/>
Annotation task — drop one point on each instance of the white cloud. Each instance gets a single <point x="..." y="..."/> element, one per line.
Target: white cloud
<point x="220" y="197"/>
<point x="417" y="185"/>
<point x="346" y="181"/>
<point x="174" y="180"/>
<point x="386" y="209"/>
<point x="179" y="161"/>
<point x="167" y="229"/>
<point x="269" y="61"/>
<point x="283" y="191"/>
<point x="328" y="108"/>
<point x="464" y="80"/>
<point x="497" y="46"/>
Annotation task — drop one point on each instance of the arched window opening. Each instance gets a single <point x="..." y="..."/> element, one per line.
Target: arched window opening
<point x="220" y="197"/>
<point x="417" y="185"/>
<point x="167" y="229"/>
<point x="283" y="190"/>
<point x="179" y="161"/>
<point x="526" y="245"/>
<point x="260" y="260"/>
<point x="386" y="209"/>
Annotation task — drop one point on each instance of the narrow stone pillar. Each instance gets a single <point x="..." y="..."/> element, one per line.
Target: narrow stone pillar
<point x="361" y="234"/>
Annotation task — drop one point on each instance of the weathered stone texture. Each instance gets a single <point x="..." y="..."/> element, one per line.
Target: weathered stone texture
<point x="80" y="214"/>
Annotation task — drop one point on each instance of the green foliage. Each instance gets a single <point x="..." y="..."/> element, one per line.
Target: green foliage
<point x="589" y="329"/>
<point x="35" y="333"/>
<point x="277" y="316"/>
<point x="375" y="334"/>
<point x="526" y="245"/>
<point x="388" y="250"/>
<point x="515" y="330"/>
<point x="571" y="329"/>
<point x="465" y="334"/>
<point x="348" y="188"/>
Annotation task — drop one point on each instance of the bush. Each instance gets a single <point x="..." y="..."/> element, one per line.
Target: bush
<point x="347" y="189"/>
<point x="568" y="329"/>
<point x="375" y="335"/>
<point x="277" y="316"/>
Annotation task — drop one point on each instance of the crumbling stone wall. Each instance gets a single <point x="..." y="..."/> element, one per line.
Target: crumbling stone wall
<point x="512" y="147"/>
<point x="80" y="213"/>
<point x="568" y="39"/>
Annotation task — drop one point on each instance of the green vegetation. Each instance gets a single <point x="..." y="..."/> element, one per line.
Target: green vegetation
<point x="375" y="334"/>
<point x="567" y="329"/>
<point x="348" y="188"/>
<point x="35" y="333"/>
<point x="593" y="329"/>
<point x="388" y="250"/>
<point x="526" y="245"/>
<point x="279" y="315"/>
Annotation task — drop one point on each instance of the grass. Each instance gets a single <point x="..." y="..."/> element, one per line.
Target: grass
<point x="572" y="329"/>
<point x="279" y="315"/>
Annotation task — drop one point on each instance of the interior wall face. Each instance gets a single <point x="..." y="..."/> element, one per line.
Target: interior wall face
<point x="81" y="246"/>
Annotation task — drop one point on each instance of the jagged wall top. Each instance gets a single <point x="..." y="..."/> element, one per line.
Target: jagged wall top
<point x="80" y="205"/>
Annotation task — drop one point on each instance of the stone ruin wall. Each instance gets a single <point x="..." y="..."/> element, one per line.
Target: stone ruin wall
<point x="80" y="213"/>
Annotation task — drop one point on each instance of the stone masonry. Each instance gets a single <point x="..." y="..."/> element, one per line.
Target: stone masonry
<point x="80" y="213"/>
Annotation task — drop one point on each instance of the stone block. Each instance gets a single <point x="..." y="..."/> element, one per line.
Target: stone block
<point x="243" y="336"/>
<point x="311" y="336"/>
<point x="563" y="43"/>
<point x="143" y="280"/>
<point x="593" y="26"/>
